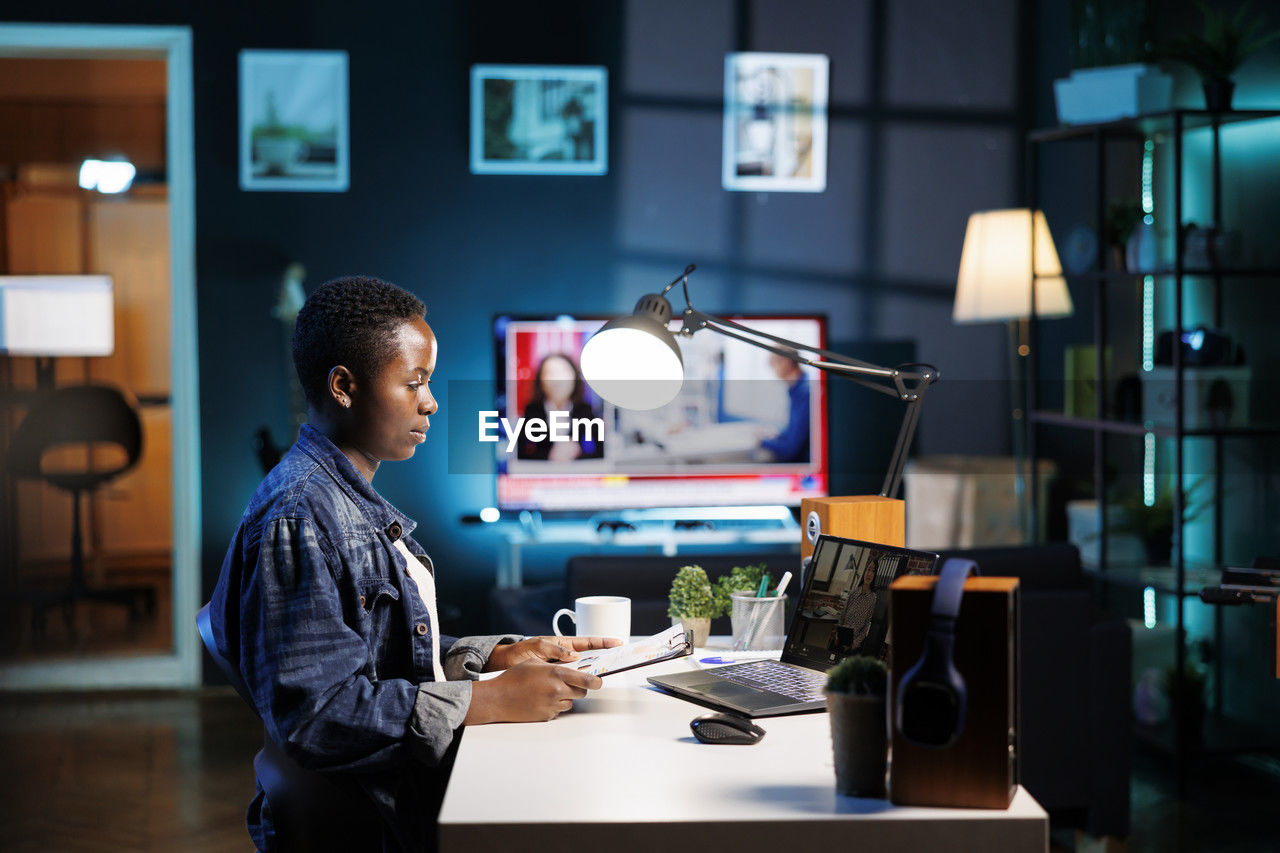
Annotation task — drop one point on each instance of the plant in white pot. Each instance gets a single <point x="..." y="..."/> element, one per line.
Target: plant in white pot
<point x="692" y="603"/>
<point x="859" y="724"/>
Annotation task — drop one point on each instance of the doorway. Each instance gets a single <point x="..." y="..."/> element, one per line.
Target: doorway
<point x="122" y="93"/>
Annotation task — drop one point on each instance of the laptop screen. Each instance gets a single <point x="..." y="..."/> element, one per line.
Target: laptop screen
<point x="844" y="606"/>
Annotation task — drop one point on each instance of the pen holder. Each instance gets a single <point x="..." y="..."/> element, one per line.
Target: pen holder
<point x="757" y="622"/>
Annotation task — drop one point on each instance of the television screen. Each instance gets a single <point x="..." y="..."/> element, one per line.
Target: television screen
<point x="747" y="428"/>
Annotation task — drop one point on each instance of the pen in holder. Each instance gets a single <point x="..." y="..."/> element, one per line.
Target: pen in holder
<point x="757" y="622"/>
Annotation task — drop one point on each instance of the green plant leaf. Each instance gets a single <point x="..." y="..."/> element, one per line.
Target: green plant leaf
<point x="860" y="675"/>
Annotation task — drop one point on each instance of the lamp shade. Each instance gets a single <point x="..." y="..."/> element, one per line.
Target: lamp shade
<point x="995" y="269"/>
<point x="57" y="315"/>
<point x="633" y="362"/>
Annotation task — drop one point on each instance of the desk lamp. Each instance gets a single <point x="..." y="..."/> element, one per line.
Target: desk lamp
<point x="995" y="283"/>
<point x="634" y="363"/>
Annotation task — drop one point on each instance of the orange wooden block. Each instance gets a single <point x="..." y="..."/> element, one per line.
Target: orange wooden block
<point x="869" y="518"/>
<point x="980" y="769"/>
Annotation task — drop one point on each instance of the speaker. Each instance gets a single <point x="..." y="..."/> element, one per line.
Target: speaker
<point x="869" y="518"/>
<point x="979" y="767"/>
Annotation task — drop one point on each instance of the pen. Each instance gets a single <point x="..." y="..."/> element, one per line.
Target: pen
<point x="715" y="660"/>
<point x="764" y="586"/>
<point x="782" y="584"/>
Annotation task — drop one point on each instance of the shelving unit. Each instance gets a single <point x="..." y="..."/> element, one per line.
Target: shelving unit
<point x="1180" y="578"/>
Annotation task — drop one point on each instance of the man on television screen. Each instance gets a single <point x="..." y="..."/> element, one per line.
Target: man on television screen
<point x="791" y="444"/>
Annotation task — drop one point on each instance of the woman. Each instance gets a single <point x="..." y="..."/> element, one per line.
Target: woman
<point x="558" y="387"/>
<point x="327" y="604"/>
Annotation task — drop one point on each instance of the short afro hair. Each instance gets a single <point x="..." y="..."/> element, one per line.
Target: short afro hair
<point x="348" y="321"/>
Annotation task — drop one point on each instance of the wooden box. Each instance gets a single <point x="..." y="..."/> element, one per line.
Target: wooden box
<point x="869" y="518"/>
<point x="980" y="769"/>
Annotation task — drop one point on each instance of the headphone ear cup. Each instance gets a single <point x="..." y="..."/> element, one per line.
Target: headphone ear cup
<point x="929" y="707"/>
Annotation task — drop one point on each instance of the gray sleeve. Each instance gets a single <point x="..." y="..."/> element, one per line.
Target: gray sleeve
<point x="439" y="710"/>
<point x="466" y="658"/>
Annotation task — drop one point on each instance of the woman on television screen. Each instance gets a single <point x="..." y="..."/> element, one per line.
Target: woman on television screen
<point x="558" y="387"/>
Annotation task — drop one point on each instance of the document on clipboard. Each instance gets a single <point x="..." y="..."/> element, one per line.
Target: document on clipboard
<point x="668" y="645"/>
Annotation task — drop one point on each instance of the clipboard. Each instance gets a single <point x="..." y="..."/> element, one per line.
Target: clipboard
<point x="670" y="644"/>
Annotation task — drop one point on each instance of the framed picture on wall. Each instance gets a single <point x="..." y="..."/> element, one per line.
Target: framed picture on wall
<point x="293" y="120"/>
<point x="775" y="122"/>
<point x="539" y="120"/>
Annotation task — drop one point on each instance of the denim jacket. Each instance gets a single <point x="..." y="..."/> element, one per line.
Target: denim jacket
<point x="333" y="639"/>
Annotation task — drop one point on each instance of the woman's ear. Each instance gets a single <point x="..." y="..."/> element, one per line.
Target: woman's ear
<point x="342" y="386"/>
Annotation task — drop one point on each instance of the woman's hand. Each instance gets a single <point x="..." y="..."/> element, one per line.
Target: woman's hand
<point x="528" y="692"/>
<point x="545" y="650"/>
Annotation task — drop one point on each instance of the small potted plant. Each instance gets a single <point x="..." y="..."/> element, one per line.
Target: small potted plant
<point x="1219" y="48"/>
<point x="1118" y="227"/>
<point x="859" y="728"/>
<point x="692" y="603"/>
<point x="1153" y="523"/>
<point x="739" y="579"/>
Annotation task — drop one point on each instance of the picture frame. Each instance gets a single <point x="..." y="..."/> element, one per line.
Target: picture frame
<point x="775" y="122"/>
<point x="294" y="133"/>
<point x="539" y="120"/>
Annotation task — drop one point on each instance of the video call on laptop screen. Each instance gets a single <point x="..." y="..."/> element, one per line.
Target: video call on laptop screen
<point x="844" y="607"/>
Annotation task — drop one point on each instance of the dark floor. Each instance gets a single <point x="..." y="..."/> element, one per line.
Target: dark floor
<point x="172" y="771"/>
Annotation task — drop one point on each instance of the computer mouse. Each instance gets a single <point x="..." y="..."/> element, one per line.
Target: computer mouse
<point x="725" y="728"/>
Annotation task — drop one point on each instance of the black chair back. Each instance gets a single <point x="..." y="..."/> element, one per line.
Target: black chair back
<point x="77" y="414"/>
<point x="311" y="811"/>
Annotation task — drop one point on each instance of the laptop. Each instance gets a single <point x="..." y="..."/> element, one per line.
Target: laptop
<point x="843" y="611"/>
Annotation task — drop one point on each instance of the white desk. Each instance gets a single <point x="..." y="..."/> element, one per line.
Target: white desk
<point x="622" y="772"/>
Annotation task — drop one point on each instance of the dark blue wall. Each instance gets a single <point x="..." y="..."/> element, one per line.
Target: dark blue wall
<point x="928" y="110"/>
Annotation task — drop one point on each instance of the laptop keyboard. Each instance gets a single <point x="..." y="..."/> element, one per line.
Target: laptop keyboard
<point x="803" y="685"/>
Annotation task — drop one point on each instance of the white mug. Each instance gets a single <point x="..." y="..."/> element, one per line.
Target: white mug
<point x="598" y="616"/>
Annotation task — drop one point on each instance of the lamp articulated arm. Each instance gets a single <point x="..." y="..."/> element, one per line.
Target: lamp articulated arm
<point x="907" y="382"/>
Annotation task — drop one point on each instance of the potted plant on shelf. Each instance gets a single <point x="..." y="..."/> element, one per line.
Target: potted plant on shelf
<point x="1218" y="49"/>
<point x="1153" y="523"/>
<point x="859" y="724"/>
<point x="692" y="603"/>
<point x="1118" y="228"/>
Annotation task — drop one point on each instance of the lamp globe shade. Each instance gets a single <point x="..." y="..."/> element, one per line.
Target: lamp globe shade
<point x="633" y="362"/>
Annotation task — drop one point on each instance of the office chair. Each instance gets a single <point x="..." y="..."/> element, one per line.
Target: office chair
<point x="79" y="415"/>
<point x="311" y="811"/>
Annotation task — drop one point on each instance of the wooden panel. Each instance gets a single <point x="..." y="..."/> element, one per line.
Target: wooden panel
<point x="43" y="521"/>
<point x="128" y="238"/>
<point x="45" y="234"/>
<point x="82" y="79"/>
<point x="979" y="769"/>
<point x="71" y="132"/>
<point x="135" y="512"/>
<point x="129" y="241"/>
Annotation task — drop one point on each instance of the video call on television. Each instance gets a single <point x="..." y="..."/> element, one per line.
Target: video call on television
<point x="729" y="436"/>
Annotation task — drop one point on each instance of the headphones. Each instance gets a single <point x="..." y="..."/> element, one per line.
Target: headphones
<point x="931" y="697"/>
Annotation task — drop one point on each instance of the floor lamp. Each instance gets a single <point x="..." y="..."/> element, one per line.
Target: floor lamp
<point x="1001" y="248"/>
